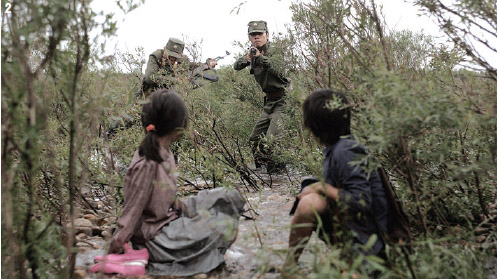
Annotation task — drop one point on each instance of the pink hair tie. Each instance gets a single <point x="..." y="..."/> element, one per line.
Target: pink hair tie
<point x="150" y="127"/>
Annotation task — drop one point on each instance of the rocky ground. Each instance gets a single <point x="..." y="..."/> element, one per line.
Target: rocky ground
<point x="258" y="252"/>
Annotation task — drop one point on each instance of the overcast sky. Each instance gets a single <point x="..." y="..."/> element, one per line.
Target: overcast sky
<point x="219" y="23"/>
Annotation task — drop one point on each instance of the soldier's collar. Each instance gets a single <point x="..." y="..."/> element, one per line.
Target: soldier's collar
<point x="265" y="46"/>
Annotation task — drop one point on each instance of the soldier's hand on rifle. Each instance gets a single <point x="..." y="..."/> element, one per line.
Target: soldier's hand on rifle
<point x="256" y="54"/>
<point x="212" y="63"/>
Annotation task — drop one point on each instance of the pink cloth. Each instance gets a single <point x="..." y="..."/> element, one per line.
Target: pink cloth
<point x="119" y="268"/>
<point x="137" y="256"/>
<point x="149" y="197"/>
<point x="132" y="262"/>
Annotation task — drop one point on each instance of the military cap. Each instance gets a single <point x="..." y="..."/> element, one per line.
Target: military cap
<point x="174" y="47"/>
<point x="259" y="26"/>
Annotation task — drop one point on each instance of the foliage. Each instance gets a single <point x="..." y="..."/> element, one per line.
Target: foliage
<point x="471" y="26"/>
<point x="429" y="122"/>
<point x="411" y="107"/>
<point x="51" y="112"/>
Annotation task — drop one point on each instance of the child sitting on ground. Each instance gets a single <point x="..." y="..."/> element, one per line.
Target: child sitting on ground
<point x="347" y="191"/>
<point x="182" y="239"/>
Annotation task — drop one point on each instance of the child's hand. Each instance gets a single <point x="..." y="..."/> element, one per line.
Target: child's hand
<point x="115" y="247"/>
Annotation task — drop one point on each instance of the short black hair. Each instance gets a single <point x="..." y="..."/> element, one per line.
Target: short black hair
<point x="327" y="115"/>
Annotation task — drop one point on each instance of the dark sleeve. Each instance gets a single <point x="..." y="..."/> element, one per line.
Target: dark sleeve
<point x="152" y="69"/>
<point x="354" y="189"/>
<point x="137" y="191"/>
<point x="241" y="63"/>
<point x="210" y="77"/>
<point x="152" y="76"/>
<point x="188" y="65"/>
<point x="197" y="72"/>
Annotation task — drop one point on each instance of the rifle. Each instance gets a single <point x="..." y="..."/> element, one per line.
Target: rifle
<point x="199" y="72"/>
<point x="253" y="52"/>
<point x="221" y="57"/>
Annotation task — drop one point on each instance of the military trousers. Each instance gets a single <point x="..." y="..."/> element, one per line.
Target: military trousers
<point x="269" y="126"/>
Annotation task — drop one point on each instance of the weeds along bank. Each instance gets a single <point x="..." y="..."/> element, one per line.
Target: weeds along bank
<point x="433" y="125"/>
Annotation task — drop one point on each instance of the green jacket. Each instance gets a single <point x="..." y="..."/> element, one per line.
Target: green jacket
<point x="269" y="78"/>
<point x="156" y="75"/>
<point x="203" y="75"/>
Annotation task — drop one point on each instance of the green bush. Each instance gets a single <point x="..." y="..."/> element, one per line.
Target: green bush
<point x="428" y="121"/>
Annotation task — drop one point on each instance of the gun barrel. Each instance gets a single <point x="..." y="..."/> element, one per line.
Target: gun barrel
<point x="253" y="51"/>
<point x="221" y="57"/>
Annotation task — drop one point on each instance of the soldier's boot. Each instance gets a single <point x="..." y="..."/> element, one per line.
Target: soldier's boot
<point x="260" y="158"/>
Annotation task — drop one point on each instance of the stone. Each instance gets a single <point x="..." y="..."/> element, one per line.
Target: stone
<point x="83" y="225"/>
<point x="79" y="274"/>
<point x="105" y="234"/>
<point x="80" y="236"/>
<point x="82" y="222"/>
<point x="82" y="244"/>
<point x="90" y="217"/>
<point x="102" y="221"/>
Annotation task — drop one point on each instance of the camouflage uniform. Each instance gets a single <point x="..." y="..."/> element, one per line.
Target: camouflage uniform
<point x="159" y="73"/>
<point x="273" y="84"/>
<point x="203" y="75"/>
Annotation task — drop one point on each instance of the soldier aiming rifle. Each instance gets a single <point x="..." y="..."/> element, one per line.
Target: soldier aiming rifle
<point x="205" y="73"/>
<point x="274" y="84"/>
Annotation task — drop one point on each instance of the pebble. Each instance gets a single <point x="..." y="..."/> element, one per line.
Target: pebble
<point x="81" y="225"/>
<point x="103" y="221"/>
<point x="90" y="217"/>
<point x="81" y="236"/>
<point x="106" y="234"/>
<point x="82" y="222"/>
<point x="79" y="274"/>
<point x="83" y="244"/>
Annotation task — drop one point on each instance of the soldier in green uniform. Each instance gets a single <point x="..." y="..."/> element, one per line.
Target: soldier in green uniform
<point x="273" y="84"/>
<point x="204" y="74"/>
<point x="161" y="72"/>
<point x="161" y="67"/>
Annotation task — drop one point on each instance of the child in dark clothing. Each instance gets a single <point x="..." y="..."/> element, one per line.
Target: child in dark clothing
<point x="349" y="191"/>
